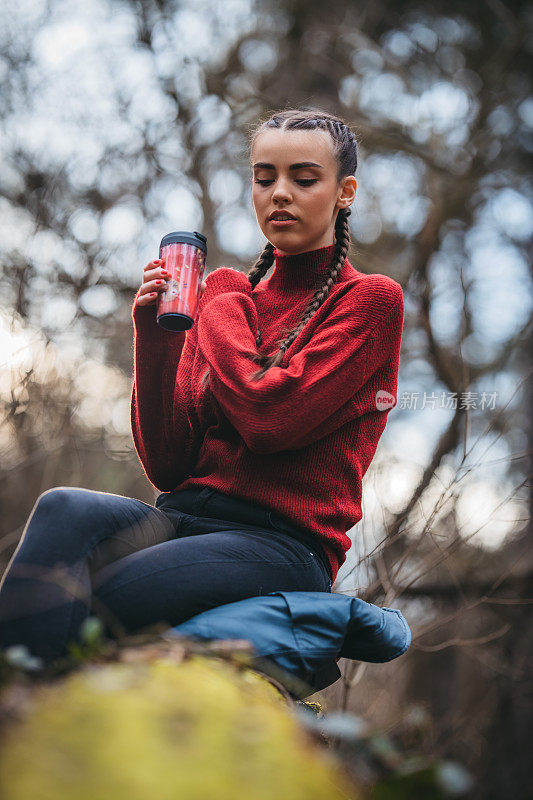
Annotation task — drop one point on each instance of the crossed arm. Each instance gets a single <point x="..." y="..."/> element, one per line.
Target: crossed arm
<point x="295" y="405"/>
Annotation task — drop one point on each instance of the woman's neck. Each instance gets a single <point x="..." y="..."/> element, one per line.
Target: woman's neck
<point x="300" y="271"/>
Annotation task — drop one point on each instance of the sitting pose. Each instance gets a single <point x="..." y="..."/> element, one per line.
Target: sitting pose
<point x="256" y="426"/>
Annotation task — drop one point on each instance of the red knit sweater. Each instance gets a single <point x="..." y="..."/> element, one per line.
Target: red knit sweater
<point x="298" y="441"/>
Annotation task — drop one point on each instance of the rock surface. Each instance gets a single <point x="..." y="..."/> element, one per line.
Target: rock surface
<point x="161" y="728"/>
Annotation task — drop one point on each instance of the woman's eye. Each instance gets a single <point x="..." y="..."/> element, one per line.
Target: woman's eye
<point x="301" y="181"/>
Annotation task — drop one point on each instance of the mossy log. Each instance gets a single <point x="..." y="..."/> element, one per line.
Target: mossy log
<point x="160" y="726"/>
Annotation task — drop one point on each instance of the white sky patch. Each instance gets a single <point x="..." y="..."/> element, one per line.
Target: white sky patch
<point x="120" y="225"/>
<point x="17" y="226"/>
<point x="15" y="349"/>
<point x="120" y="418"/>
<point x="180" y="211"/>
<point x="485" y="515"/>
<point x="501" y="294"/>
<point x="84" y="225"/>
<point x="65" y="254"/>
<point x="394" y="173"/>
<point x="394" y="182"/>
<point x="258" y="55"/>
<point x="501" y="121"/>
<point x="437" y="500"/>
<point x="366" y="227"/>
<point x="444" y="106"/>
<point x="525" y="112"/>
<point x="395" y="484"/>
<point x="225" y="186"/>
<point x="399" y="45"/>
<point x="202" y="29"/>
<point x="238" y="233"/>
<point x="57" y="312"/>
<point x="102" y="393"/>
<point x="57" y="44"/>
<point x="93" y="381"/>
<point x="405" y="109"/>
<point x="447" y="298"/>
<point x="82" y="168"/>
<point x="379" y="93"/>
<point x="409" y="437"/>
<point x="212" y="120"/>
<point x="450" y="29"/>
<point x="423" y="35"/>
<point x="367" y="61"/>
<point x="365" y="222"/>
<point x="349" y="89"/>
<point x="191" y="30"/>
<point x="513" y="214"/>
<point x="411" y="216"/>
<point x="98" y="301"/>
<point x="43" y="249"/>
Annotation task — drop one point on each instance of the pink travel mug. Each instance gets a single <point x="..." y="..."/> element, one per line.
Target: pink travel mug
<point x="185" y="254"/>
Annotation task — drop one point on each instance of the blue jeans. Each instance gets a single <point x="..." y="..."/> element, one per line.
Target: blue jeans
<point x="132" y="564"/>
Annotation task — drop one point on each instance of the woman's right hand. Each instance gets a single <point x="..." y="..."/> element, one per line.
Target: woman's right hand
<point x="155" y="278"/>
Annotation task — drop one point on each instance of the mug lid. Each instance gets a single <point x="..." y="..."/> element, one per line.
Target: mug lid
<point x="187" y="237"/>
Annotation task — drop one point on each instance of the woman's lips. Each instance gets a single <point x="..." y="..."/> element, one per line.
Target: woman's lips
<point x="282" y="223"/>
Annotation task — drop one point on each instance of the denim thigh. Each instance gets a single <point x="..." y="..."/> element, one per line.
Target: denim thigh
<point x="197" y="508"/>
<point x="219" y="562"/>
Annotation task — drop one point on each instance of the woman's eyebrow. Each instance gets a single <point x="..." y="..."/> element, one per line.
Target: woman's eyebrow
<point x="263" y="165"/>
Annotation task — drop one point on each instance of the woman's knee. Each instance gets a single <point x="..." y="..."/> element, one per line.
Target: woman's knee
<point x="69" y="499"/>
<point x="63" y="510"/>
<point x="58" y="496"/>
<point x="101" y="514"/>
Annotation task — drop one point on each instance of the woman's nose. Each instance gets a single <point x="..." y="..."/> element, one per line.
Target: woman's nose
<point x="281" y="192"/>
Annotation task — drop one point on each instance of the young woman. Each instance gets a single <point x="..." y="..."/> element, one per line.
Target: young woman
<point x="256" y="426"/>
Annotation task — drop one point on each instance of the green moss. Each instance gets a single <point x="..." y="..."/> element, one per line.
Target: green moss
<point x="197" y="729"/>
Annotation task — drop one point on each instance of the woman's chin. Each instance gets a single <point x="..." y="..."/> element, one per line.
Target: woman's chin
<point x="288" y="245"/>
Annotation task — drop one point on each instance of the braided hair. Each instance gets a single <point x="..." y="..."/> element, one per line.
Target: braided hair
<point x="345" y="152"/>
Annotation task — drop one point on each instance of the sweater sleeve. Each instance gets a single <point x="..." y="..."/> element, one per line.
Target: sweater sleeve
<point x="320" y="383"/>
<point x="164" y="440"/>
<point x="224" y="279"/>
<point x="162" y="434"/>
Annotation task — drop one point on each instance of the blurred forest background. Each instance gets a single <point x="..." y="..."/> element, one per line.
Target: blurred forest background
<point x="122" y="121"/>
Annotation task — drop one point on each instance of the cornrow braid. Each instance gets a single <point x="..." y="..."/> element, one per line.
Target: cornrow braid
<point x="345" y="152"/>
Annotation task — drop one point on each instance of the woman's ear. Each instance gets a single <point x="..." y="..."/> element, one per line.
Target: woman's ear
<point x="347" y="192"/>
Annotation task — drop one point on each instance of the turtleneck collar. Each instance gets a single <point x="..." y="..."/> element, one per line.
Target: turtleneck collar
<point x="300" y="271"/>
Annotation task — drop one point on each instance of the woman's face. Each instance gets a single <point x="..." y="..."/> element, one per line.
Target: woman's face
<point x="295" y="171"/>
